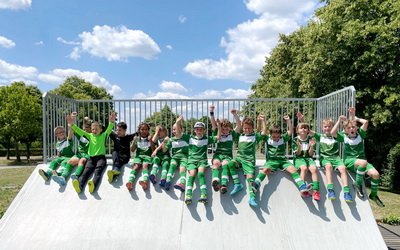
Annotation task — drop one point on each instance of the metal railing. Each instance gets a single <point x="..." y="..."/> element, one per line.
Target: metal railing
<point x="165" y="112"/>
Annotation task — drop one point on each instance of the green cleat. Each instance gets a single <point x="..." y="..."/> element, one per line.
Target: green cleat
<point x="377" y="200"/>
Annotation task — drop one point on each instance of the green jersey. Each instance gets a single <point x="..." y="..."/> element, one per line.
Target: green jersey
<point x="198" y="147"/>
<point x="160" y="152"/>
<point x="247" y="146"/>
<point x="97" y="145"/>
<point x="83" y="144"/>
<point x="179" y="146"/>
<point x="143" y="146"/>
<point x="328" y="146"/>
<point x="305" y="146"/>
<point x="276" y="150"/>
<point x="225" y="145"/>
<point x="65" y="147"/>
<point x="353" y="146"/>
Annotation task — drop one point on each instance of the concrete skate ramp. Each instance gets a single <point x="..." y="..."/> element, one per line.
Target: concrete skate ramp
<point x="47" y="216"/>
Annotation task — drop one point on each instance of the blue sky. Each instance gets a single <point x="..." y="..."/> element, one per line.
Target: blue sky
<point x="153" y="49"/>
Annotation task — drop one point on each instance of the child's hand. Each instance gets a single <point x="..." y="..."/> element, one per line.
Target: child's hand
<point x="218" y="122"/>
<point x="135" y="138"/>
<point x="166" y="139"/>
<point x="112" y="116"/>
<point x="298" y="143"/>
<point x="154" y="153"/>
<point x="261" y="117"/>
<point x="352" y="111"/>
<point x="70" y="120"/>
<point x="312" y="142"/>
<point x="286" y="118"/>
<point x="233" y="111"/>
<point x="342" y="118"/>
<point x="180" y="118"/>
<point x="86" y="118"/>
<point x="212" y="107"/>
<point x="74" y="114"/>
<point x="299" y="115"/>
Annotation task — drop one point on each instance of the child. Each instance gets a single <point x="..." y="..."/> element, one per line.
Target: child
<point x="197" y="161"/>
<point x="223" y="154"/>
<point x="160" y="155"/>
<point x="122" y="150"/>
<point x="144" y="146"/>
<point x="303" y="150"/>
<point x="97" y="150"/>
<point x="246" y="157"/>
<point x="79" y="158"/>
<point x="65" y="151"/>
<point x="276" y="156"/>
<point x="354" y="155"/>
<point x="330" y="159"/>
<point x="179" y="145"/>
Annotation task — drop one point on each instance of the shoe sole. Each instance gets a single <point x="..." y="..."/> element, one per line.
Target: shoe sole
<point x="188" y="202"/>
<point x="179" y="188"/>
<point x="215" y="185"/>
<point x="91" y="186"/>
<point x="203" y="201"/>
<point x="75" y="184"/>
<point x="223" y="190"/>
<point x="129" y="185"/>
<point x="110" y="175"/>
<point x="41" y="172"/>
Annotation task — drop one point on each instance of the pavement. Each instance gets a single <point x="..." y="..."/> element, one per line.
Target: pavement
<point x="45" y="215"/>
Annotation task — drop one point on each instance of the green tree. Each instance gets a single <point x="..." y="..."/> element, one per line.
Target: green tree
<point x="20" y="114"/>
<point x="348" y="43"/>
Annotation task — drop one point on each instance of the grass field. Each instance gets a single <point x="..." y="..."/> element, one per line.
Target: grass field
<point x="12" y="180"/>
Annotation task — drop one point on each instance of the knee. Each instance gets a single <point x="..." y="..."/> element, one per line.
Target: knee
<point x="303" y="168"/>
<point x="342" y="169"/>
<point x="328" y="167"/>
<point x="374" y="174"/>
<point x="266" y="171"/>
<point x="312" y="168"/>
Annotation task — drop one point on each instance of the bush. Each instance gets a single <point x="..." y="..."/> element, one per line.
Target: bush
<point x="391" y="172"/>
<point x="392" y="220"/>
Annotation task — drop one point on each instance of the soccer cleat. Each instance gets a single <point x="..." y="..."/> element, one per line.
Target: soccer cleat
<point x="44" y="174"/>
<point x="223" y="189"/>
<point x="305" y="194"/>
<point x="359" y="191"/>
<point x="316" y="195"/>
<point x="91" y="186"/>
<point x="144" y="184"/>
<point x="77" y="186"/>
<point x="236" y="188"/>
<point x="303" y="188"/>
<point x="167" y="185"/>
<point x="331" y="194"/>
<point x="347" y="197"/>
<point x="377" y="200"/>
<point x="180" y="187"/>
<point x="215" y="185"/>
<point x="129" y="185"/>
<point x="309" y="186"/>
<point x="188" y="199"/>
<point x="253" y="202"/>
<point x="255" y="185"/>
<point x="59" y="179"/>
<point x="203" y="199"/>
<point x="74" y="176"/>
<point x="153" y="179"/>
<point x="116" y="172"/>
<point x="110" y="175"/>
<point x="55" y="172"/>
<point x="162" y="182"/>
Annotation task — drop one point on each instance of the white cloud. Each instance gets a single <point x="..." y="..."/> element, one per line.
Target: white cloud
<point x="6" y="43"/>
<point x="39" y="43"/>
<point x="182" y="19"/>
<point x="116" y="44"/>
<point x="11" y="71"/>
<point x="172" y="87"/>
<point x="208" y="94"/>
<point x="60" y="39"/>
<point x="15" y="4"/>
<point x="169" y="47"/>
<point x="249" y="43"/>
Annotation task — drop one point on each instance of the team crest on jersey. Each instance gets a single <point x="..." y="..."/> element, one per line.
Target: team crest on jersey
<point x="275" y="143"/>
<point x="201" y="142"/>
<point x="353" y="141"/>
<point x="251" y="138"/>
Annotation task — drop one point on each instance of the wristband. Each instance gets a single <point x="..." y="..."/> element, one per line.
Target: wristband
<point x="211" y="113"/>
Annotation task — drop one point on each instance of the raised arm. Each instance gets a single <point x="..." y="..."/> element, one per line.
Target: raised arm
<point x="364" y="122"/>
<point x="213" y="123"/>
<point x="178" y="122"/>
<point x="219" y="130"/>
<point x="300" y="116"/>
<point x="237" y="120"/>
<point x="156" y="134"/>
<point x="335" y="128"/>
<point x="263" y="125"/>
<point x="111" y="123"/>
<point x="289" y="123"/>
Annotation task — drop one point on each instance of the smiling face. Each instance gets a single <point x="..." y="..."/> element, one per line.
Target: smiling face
<point x="247" y="126"/>
<point x="327" y="127"/>
<point x="276" y="136"/>
<point x="144" y="131"/>
<point x="120" y="131"/>
<point x="60" y="133"/>
<point x="96" y="128"/>
<point x="302" y="130"/>
<point x="199" y="132"/>
<point x="87" y="128"/>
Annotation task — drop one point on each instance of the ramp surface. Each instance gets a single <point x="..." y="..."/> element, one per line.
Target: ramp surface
<point x="47" y="216"/>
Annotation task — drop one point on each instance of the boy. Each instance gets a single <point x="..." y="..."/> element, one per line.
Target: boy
<point x="97" y="150"/>
<point x="276" y="156"/>
<point x="246" y="156"/>
<point x="79" y="158"/>
<point x="160" y="155"/>
<point x="197" y="161"/>
<point x="354" y="155"/>
<point x="65" y="151"/>
<point x="122" y="150"/>
<point x="223" y="154"/>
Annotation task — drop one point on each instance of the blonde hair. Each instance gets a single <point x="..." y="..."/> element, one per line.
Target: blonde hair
<point x="349" y="122"/>
<point x="58" y="127"/>
<point x="302" y="125"/>
<point x="248" y="121"/>
<point x="327" y="120"/>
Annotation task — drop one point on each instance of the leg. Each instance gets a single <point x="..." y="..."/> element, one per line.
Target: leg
<point x="98" y="171"/>
<point x="189" y="188"/>
<point x="182" y="180"/>
<point x="145" y="176"/>
<point x="314" y="177"/>
<point x="345" y="183"/>
<point x="375" y="177"/>
<point x="215" y="174"/>
<point x="203" y="186"/>
<point x="224" y="176"/>
<point x="132" y="176"/>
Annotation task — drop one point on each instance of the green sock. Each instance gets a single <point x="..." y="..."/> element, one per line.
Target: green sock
<point x="79" y="170"/>
<point x="202" y="182"/>
<point x="164" y="170"/>
<point x="315" y="185"/>
<point x="249" y="187"/>
<point x="232" y="169"/>
<point x="154" y="169"/>
<point x="215" y="174"/>
<point x="145" y="174"/>
<point x="260" y="178"/>
<point x="225" y="175"/>
<point x="346" y="189"/>
<point x="132" y="176"/>
<point x="171" y="172"/>
<point x="189" y="188"/>
<point x="329" y="186"/>
<point x="182" y="179"/>
<point x="374" y="187"/>
<point x="297" y="179"/>
<point x="67" y="170"/>
<point x="360" y="175"/>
